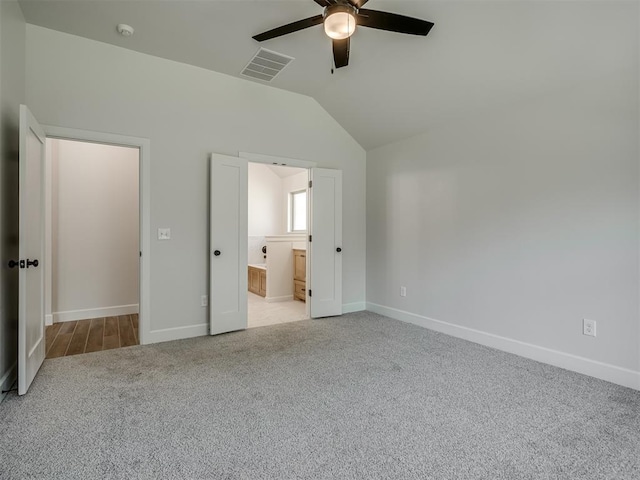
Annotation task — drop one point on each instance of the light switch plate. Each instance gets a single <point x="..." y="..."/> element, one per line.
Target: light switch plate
<point x="164" y="234"/>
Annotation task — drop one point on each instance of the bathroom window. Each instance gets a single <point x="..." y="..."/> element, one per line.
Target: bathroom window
<point x="298" y="211"/>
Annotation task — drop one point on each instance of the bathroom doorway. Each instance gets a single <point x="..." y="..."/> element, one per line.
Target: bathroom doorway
<point x="277" y="244"/>
<point x="92" y="279"/>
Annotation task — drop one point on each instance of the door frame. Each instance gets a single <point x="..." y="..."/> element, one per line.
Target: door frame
<point x="144" y="195"/>
<point x="291" y="162"/>
<point x="273" y="160"/>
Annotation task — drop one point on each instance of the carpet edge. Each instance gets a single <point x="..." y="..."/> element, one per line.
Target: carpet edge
<point x="593" y="368"/>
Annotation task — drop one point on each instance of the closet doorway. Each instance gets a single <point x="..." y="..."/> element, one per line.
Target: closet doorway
<point x="92" y="243"/>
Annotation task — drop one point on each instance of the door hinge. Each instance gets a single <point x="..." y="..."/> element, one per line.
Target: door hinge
<point x="310" y="183"/>
<point x="140" y="253"/>
<point x="310" y="293"/>
<point x="309" y="237"/>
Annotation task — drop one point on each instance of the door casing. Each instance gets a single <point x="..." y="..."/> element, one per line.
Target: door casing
<point x="144" y="192"/>
<point x="288" y="162"/>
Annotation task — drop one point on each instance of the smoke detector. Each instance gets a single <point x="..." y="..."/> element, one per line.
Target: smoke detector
<point x="125" y="30"/>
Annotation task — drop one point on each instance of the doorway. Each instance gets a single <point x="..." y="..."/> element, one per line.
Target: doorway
<point x="277" y="244"/>
<point x="93" y="236"/>
<point x="228" y="236"/>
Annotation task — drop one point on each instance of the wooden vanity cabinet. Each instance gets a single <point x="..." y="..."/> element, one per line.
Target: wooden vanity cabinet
<point x="300" y="274"/>
<point x="258" y="281"/>
<point x="263" y="283"/>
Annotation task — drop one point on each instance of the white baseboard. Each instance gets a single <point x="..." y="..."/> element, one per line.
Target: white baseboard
<point x="593" y="368"/>
<point x="354" y="307"/>
<point x="73" y="315"/>
<point x="177" y="333"/>
<point x="7" y="380"/>
<point x="285" y="298"/>
<point x="48" y="319"/>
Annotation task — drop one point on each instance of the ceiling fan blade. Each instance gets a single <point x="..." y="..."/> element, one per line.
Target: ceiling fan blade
<point x="324" y="3"/>
<point x="341" y="52"/>
<point x="393" y="22"/>
<point x="357" y="3"/>
<point x="289" y="28"/>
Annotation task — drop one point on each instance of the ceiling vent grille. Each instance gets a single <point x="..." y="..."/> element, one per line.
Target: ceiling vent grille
<point x="266" y="65"/>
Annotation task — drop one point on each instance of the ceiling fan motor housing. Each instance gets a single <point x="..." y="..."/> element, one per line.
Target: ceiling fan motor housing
<point x="340" y="7"/>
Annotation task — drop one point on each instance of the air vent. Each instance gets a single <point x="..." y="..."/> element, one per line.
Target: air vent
<point x="266" y="64"/>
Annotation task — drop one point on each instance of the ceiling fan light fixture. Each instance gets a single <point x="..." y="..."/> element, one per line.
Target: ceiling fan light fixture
<point x="339" y="24"/>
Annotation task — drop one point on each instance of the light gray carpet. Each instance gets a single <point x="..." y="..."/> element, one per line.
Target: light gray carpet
<point x="355" y="397"/>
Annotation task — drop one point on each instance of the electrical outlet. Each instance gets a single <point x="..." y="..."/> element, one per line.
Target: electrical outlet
<point x="589" y="327"/>
<point x="403" y="291"/>
<point x="164" y="234"/>
<point x="204" y="300"/>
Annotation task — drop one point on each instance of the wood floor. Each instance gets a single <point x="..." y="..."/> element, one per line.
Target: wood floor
<point x="84" y="336"/>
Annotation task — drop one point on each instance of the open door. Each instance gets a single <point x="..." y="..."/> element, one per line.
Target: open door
<point x="325" y="247"/>
<point x="31" y="339"/>
<point x="228" y="237"/>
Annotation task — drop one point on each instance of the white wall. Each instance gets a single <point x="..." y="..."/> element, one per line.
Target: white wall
<point x="280" y="266"/>
<point x="269" y="198"/>
<point x="265" y="201"/>
<point x="520" y="222"/>
<point x="12" y="94"/>
<point x="187" y="113"/>
<point x="95" y="230"/>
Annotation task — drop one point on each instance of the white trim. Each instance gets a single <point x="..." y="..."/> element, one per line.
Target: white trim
<point x="585" y="366"/>
<point x="292" y="237"/>
<point x="145" y="207"/>
<point x="47" y="263"/>
<point x="353" y="307"/>
<point x="8" y="379"/>
<point x="177" y="333"/>
<point x="284" y="298"/>
<point x="638" y="334"/>
<point x="273" y="160"/>
<point x="73" y="315"/>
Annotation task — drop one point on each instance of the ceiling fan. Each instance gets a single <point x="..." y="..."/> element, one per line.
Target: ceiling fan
<point x="340" y="18"/>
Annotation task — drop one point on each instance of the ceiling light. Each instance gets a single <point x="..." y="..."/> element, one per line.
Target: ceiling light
<point x="339" y="22"/>
<point x="125" y="30"/>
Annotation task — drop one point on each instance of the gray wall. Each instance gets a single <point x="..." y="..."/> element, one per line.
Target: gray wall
<point x="522" y="220"/>
<point x="187" y="113"/>
<point x="12" y="91"/>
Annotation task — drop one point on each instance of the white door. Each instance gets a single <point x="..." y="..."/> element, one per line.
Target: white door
<point x="31" y="339"/>
<point x="228" y="247"/>
<point x="325" y="246"/>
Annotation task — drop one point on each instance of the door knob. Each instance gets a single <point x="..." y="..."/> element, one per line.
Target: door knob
<point x="22" y="263"/>
<point x="338" y="249"/>
<point x="216" y="253"/>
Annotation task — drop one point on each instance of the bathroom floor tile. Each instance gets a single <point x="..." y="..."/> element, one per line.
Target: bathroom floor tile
<point x="261" y="313"/>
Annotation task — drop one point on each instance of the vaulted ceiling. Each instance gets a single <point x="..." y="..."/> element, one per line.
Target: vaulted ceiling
<point x="480" y="54"/>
